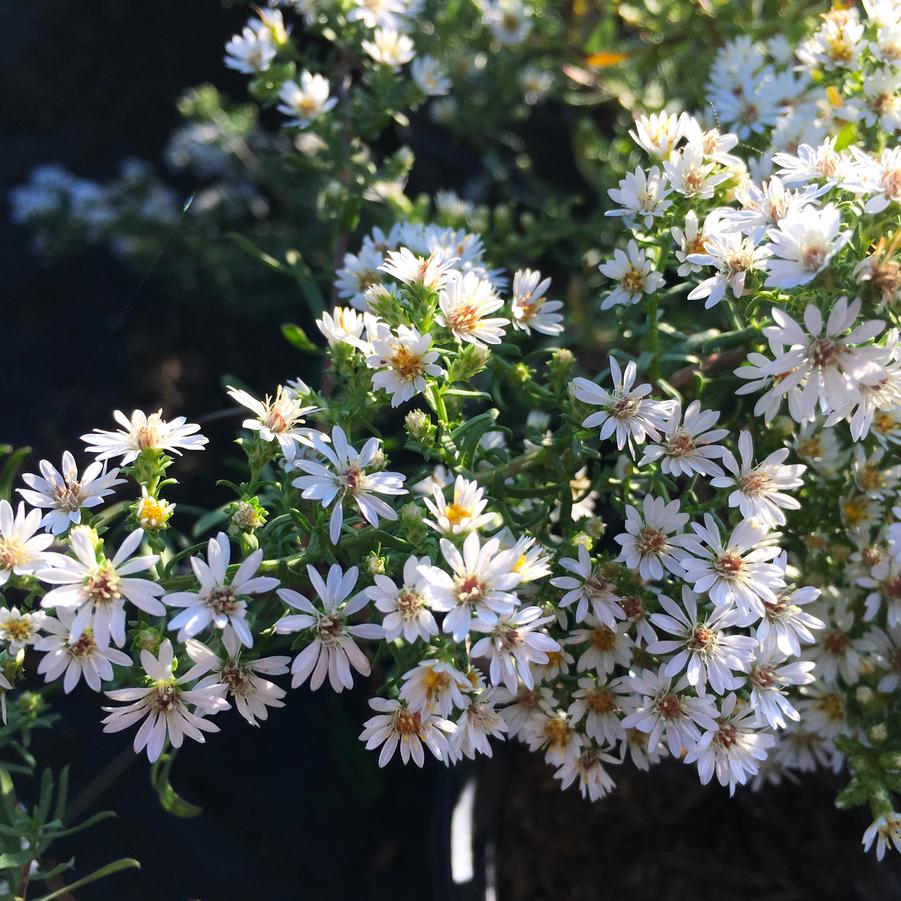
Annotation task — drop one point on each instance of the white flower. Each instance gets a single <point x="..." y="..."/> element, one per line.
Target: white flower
<point x="601" y="703"/>
<point x="379" y="13"/>
<point x="641" y="197"/>
<point x="803" y="243"/>
<point x="80" y="658"/>
<point x="759" y="490"/>
<point x="837" y="653"/>
<point x="666" y="714"/>
<point x="513" y="645"/>
<point x="344" y="476"/>
<point x="332" y="651"/>
<point x="768" y="205"/>
<point x="478" y="722"/>
<point x="306" y="101"/>
<point x="692" y="240"/>
<point x="358" y="273"/>
<point x="389" y="47"/>
<point x="430" y="271"/>
<point x="163" y="706"/>
<point x="785" y="626"/>
<point x="733" y="749"/>
<point x="836" y="44"/>
<point x="659" y="133"/>
<point x="508" y="20"/>
<point x="22" y="552"/>
<point x="701" y="648"/>
<point x="435" y="686"/>
<point x="734" y="257"/>
<point x="529" y="306"/>
<point x="253" y="695"/>
<point x="142" y="433"/>
<point x="96" y="587"/>
<point x="590" y="588"/>
<point x="770" y="679"/>
<point x="821" y="164"/>
<point x="747" y="104"/>
<point x="407" y="607"/>
<point x="885" y="584"/>
<point x="430" y="76"/>
<point x="480" y="584"/>
<point x="279" y="418"/>
<point x="689" y="447"/>
<point x="464" y="514"/>
<point x="396" y="726"/>
<point x="885" y="830"/>
<point x="465" y="301"/>
<point x="627" y="411"/>
<point x="882" y="96"/>
<point x="251" y="51"/>
<point x="880" y="178"/>
<point x="554" y="734"/>
<point x="606" y="647"/>
<point x="403" y="360"/>
<point x="594" y="780"/>
<point x="345" y="325"/>
<point x="64" y="495"/>
<point x="736" y="571"/>
<point x="691" y="175"/>
<point x="21" y="629"/>
<point x="652" y="537"/>
<point x="633" y="271"/>
<point x="220" y="601"/>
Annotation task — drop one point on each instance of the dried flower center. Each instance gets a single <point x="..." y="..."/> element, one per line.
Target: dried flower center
<point x="236" y="677"/>
<point x="67" y="497"/>
<point x="148" y="436"/>
<point x="669" y="706"/>
<point x="165" y="697"/>
<point x="651" y="541"/>
<point x="104" y="585"/>
<point x="601" y="700"/>
<point x="763" y="676"/>
<point x="557" y="731"/>
<point x="729" y="565"/>
<point x="603" y="639"/>
<point x="726" y="736"/>
<point x="352" y="479"/>
<point x="701" y="639"/>
<point x="509" y="637"/>
<point x="624" y="407"/>
<point x="632" y="606"/>
<point x="680" y="445"/>
<point x="222" y="599"/>
<point x="836" y="643"/>
<point x="406" y="364"/>
<point x="330" y="630"/>
<point x="891" y="183"/>
<point x="470" y="589"/>
<point x="891" y="588"/>
<point x="870" y="555"/>
<point x="84" y="647"/>
<point x="406" y="722"/>
<point x="597" y="588"/>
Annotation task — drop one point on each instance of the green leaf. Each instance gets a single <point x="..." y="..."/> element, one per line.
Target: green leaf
<point x="295" y="335"/>
<point x="10" y="470"/>
<point x="171" y="801"/>
<point x="124" y="863"/>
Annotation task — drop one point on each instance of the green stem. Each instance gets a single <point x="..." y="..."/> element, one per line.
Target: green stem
<point x="653" y="340"/>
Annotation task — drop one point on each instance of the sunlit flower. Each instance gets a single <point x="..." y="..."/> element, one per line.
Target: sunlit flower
<point x="144" y="433"/>
<point x="633" y="271"/>
<point x="529" y="306"/>
<point x="305" y="101"/>
<point x="465" y="302"/>
<point x="395" y="726"/>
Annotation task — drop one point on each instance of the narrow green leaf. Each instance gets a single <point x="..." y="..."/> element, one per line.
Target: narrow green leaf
<point x="125" y="863"/>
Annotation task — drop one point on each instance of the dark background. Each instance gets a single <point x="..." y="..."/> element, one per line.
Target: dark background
<point x="297" y="809"/>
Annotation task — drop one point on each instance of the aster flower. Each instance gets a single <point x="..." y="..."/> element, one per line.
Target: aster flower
<point x="605" y="647"/>
<point x="332" y="650"/>
<point x="403" y="360"/>
<point x="530" y="308"/>
<point x="22" y="551"/>
<point x="884" y="582"/>
<point x="691" y="240"/>
<point x="220" y="600"/>
<point x="734" y="257"/>
<point x="836" y="653"/>
<point x="770" y="678"/>
<point x="379" y="13"/>
<point x="836" y="44"/>
<point x="802" y="244"/>
<point x="759" y="490"/>
<point x="163" y="706"/>
<point x="881" y="179"/>
<point x="690" y="446"/>
<point x="252" y="51"/>
<point x="594" y="780"/>
<point x="766" y="206"/>
<point x="813" y="164"/>
<point x="554" y="734"/>
<point x="507" y="20"/>
<point x="358" y="273"/>
<point x="435" y="686"/>
<point x="430" y="76"/>
<point x="243" y="679"/>
<point x="465" y="301"/>
<point x="343" y="476"/>
<point x="430" y="271"/>
<point x="465" y="512"/>
<point x="602" y="705"/>
<point x="74" y="660"/>
<point x="735" y="571"/>
<point x="478" y="722"/>
<point x="389" y="47"/>
<point x="344" y="325"/>
<point x="658" y="133"/>
<point x="305" y="101"/>
<point x="407" y="607"/>
<point x="588" y="587"/>
<point x="633" y="271"/>
<point x="143" y="433"/>
<point x="690" y="174"/>
<point x="63" y="494"/>
<point x="21" y="628"/>
<point x="651" y="539"/>
<point x="785" y="626"/>
<point x="480" y="584"/>
<point x="278" y="419"/>
<point x="627" y="411"/>
<point x="96" y="587"/>
<point x="395" y="726"/>
<point x="885" y="831"/>
<point x="641" y="196"/>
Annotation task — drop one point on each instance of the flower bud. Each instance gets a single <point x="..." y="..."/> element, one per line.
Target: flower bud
<point x="375" y="565"/>
<point x="247" y="514"/>
<point x="420" y="427"/>
<point x="878" y="732"/>
<point x="148" y="639"/>
<point x="595" y="527"/>
<point x="153" y="513"/>
<point x="469" y="362"/>
<point x="864" y="694"/>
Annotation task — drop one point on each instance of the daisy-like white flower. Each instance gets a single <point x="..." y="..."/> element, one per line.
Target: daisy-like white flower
<point x="588" y="587"/>
<point x="735" y="571"/>
<point x="465" y="512"/>
<point x="554" y="734"/>
<point x="332" y="651"/>
<point x="507" y="20"/>
<point x="532" y="561"/>
<point x="252" y="51"/>
<point x="278" y="418"/>
<point x="22" y="552"/>
<point x="733" y="749"/>
<point x="641" y="196"/>
<point x="389" y="47"/>
<point x="885" y="830"/>
<point x="634" y="274"/>
<point x="836" y="653"/>
<point x="435" y="686"/>
<point x="63" y="494"/>
<point x="759" y="490"/>
<point x="605" y="647"/>
<point x="21" y="628"/>
<point x="594" y="780"/>
<point x="344" y="325"/>
<point x="659" y="133"/>
<point x="785" y="626"/>
<point x="478" y="722"/>
<point x="431" y="271"/>
<point x="693" y="176"/>
<point x="701" y="648"/>
<point x="803" y="243"/>
<point x="406" y="608"/>
<point x="881" y="179"/>
<point x="480" y="583"/>
<point x="244" y="679"/>
<point x="343" y="476"/>
<point x="882" y="99"/>
<point x="689" y="446"/>
<point x="651" y="540"/>
<point x="359" y="273"/>
<point x="220" y="602"/>
<point x="522" y="707"/>
<point x="746" y="105"/>
<point x="666" y="714"/>
<point x="766" y="206"/>
<point x="529" y="306"/>
<point x="884" y="583"/>
<point x="836" y="44"/>
<point x="513" y="644"/>
<point x="828" y="359"/>
<point x="96" y="587"/>
<point x="74" y="660"/>
<point x="602" y="705"/>
<point x="465" y="302"/>
<point x="163" y="706"/>
<point x="430" y="76"/>
<point x="396" y="726"/>
<point x="770" y="678"/>
<point x="144" y="433"/>
<point x="734" y="257"/>
<point x="692" y="240"/>
<point x="403" y="360"/>
<point x="627" y="411"/>
<point x="813" y="164"/>
<point x="379" y="13"/>
<point x="712" y="143"/>
<point x="305" y="101"/>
